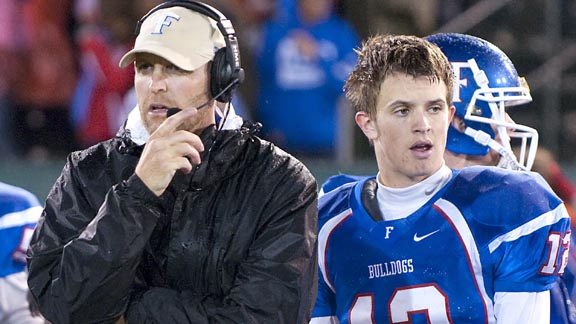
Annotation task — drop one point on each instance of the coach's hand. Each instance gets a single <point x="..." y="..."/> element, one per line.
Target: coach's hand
<point x="169" y="149"/>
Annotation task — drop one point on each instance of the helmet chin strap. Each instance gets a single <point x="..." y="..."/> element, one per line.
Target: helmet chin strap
<point x="507" y="158"/>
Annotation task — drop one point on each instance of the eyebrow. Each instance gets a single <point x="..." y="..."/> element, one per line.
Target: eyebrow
<point x="409" y="103"/>
<point x="438" y="102"/>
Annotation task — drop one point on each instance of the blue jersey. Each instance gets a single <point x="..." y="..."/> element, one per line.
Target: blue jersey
<point x="487" y="230"/>
<point x="19" y="212"/>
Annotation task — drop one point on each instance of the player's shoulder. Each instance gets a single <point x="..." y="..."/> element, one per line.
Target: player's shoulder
<point x="338" y="180"/>
<point x="337" y="195"/>
<point x="492" y="172"/>
<point x="501" y="195"/>
<point x="488" y="179"/>
<point x="15" y="199"/>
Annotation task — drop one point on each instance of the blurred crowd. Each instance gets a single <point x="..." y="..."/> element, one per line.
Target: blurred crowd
<point x="61" y="88"/>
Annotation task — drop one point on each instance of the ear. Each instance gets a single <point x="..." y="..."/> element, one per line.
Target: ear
<point x="367" y="125"/>
<point x="451" y="113"/>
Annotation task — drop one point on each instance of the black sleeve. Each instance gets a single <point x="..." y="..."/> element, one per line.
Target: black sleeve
<point x="83" y="256"/>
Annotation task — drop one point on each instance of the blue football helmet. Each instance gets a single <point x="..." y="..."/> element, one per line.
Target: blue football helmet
<point x="486" y="83"/>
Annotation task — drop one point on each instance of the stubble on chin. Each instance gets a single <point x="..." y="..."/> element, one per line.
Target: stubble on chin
<point x="150" y="125"/>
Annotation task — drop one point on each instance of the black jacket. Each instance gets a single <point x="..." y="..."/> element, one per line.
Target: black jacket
<point x="232" y="242"/>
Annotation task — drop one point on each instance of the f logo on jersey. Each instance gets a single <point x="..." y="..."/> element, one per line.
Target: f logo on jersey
<point x="164" y="20"/>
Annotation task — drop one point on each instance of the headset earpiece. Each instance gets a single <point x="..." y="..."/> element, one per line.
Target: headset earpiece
<point x="221" y="75"/>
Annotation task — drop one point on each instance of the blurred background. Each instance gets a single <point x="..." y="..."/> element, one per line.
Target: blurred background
<point x="61" y="89"/>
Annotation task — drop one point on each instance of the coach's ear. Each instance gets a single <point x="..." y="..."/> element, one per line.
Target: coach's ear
<point x="367" y="125"/>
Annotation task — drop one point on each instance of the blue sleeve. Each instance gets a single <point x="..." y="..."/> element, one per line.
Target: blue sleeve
<point x="532" y="255"/>
<point x="19" y="213"/>
<point x="529" y="228"/>
<point x="522" y="224"/>
<point x="330" y="208"/>
<point x="325" y="300"/>
<point x="336" y="181"/>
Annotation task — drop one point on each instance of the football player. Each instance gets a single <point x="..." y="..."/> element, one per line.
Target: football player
<point x="482" y="133"/>
<point x="19" y="213"/>
<point x="420" y="242"/>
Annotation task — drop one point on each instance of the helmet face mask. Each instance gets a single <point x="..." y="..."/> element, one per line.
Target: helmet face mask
<point x="486" y="83"/>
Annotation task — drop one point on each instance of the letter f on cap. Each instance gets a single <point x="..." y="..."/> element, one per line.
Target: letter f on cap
<point x="164" y="20"/>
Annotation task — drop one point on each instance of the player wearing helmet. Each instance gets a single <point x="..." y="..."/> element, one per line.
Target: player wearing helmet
<point x="482" y="133"/>
<point x="486" y="84"/>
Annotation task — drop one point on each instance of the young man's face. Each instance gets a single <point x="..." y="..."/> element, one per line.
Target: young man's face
<point x="161" y="85"/>
<point x="409" y="130"/>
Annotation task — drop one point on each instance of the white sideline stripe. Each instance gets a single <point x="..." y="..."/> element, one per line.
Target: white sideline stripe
<point x="452" y="212"/>
<point x="324" y="320"/>
<point x="323" y="237"/>
<point x="23" y="217"/>
<point x="537" y="223"/>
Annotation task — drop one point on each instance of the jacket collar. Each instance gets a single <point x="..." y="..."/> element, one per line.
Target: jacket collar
<point x="137" y="133"/>
<point x="226" y="150"/>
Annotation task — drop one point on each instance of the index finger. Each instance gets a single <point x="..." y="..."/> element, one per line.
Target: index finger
<point x="171" y="124"/>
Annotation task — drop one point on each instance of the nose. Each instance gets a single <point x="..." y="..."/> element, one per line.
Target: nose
<point x="421" y="123"/>
<point x="158" y="79"/>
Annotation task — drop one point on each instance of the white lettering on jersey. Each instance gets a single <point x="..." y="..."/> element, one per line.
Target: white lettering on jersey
<point x="388" y="231"/>
<point x="390" y="268"/>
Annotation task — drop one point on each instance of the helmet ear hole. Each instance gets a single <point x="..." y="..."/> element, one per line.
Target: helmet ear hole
<point x="458" y="123"/>
<point x="220" y="76"/>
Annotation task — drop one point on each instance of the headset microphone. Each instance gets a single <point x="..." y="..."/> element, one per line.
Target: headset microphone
<point x="174" y="110"/>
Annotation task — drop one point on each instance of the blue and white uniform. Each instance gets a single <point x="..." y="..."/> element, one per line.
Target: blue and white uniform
<point x="451" y="249"/>
<point x="19" y="212"/>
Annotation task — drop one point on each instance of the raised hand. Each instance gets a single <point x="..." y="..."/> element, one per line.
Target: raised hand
<point x="169" y="149"/>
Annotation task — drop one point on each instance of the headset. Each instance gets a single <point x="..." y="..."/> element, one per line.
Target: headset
<point x="226" y="72"/>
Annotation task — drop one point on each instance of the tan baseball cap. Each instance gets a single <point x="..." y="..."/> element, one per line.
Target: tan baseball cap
<point x="185" y="38"/>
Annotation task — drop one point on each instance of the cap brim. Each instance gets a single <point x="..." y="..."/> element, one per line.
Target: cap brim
<point x="184" y="63"/>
